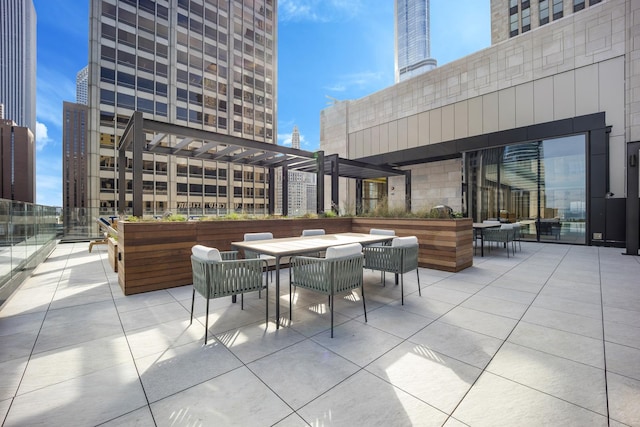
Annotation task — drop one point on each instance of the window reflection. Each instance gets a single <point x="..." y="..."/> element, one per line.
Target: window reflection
<point x="541" y="184"/>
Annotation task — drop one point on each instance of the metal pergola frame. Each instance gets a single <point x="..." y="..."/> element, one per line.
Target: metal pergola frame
<point x="202" y="144"/>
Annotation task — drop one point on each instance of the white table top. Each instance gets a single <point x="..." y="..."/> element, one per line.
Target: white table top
<point x="288" y="246"/>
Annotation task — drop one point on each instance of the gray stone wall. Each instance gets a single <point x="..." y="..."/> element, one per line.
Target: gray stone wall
<point x="585" y="63"/>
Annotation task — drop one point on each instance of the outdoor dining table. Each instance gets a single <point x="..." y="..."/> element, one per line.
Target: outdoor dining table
<point x="481" y="226"/>
<point x="290" y="246"/>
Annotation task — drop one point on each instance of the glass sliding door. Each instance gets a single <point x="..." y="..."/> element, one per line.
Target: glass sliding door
<point x="520" y="182"/>
<point x="563" y="192"/>
<point x="540" y="184"/>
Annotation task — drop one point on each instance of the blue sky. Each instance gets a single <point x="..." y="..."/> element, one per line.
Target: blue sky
<point x="340" y="49"/>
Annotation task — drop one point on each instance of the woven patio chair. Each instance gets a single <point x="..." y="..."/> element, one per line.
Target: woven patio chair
<point x="505" y="235"/>
<point x="338" y="272"/>
<point x="314" y="232"/>
<point x="219" y="274"/>
<point x="399" y="258"/>
<point x="249" y="237"/>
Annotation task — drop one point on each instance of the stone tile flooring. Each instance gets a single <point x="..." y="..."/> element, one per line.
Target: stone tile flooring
<point x="548" y="337"/>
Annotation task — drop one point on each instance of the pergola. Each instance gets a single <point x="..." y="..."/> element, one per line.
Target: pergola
<point x="145" y="135"/>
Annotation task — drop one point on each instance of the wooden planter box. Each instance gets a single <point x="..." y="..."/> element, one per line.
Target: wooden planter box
<point x="157" y="255"/>
<point x="445" y="244"/>
<point x="112" y="251"/>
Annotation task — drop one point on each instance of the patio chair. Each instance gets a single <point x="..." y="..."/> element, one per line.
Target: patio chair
<point x="504" y="234"/>
<point x="479" y="234"/>
<point x="399" y="258"/>
<point x="381" y="232"/>
<point x="248" y="237"/>
<point x="218" y="274"/>
<point x="338" y="272"/>
<point x="314" y="232"/>
<point x="517" y="235"/>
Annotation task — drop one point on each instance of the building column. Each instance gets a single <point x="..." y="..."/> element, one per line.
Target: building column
<point x="633" y="202"/>
<point x="319" y="155"/>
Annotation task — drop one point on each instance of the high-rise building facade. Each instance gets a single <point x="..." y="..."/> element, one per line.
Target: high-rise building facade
<point x="1" y="111"/>
<point x="512" y="17"/>
<point x="301" y="186"/>
<point x="18" y="61"/>
<point x="74" y="163"/>
<point x="17" y="162"/>
<point x="413" y="46"/>
<point x="206" y="64"/>
<point x="82" y="86"/>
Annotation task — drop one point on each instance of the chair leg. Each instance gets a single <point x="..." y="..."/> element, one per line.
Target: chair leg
<point x="242" y="301"/>
<point x="331" y="304"/>
<point x="206" y="323"/>
<point x="193" y="299"/>
<point x="266" y="307"/>
<point x="418" y="275"/>
<point x="402" y="288"/>
<point x="364" y="305"/>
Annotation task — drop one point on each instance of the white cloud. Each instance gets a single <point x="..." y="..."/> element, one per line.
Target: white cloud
<point x="284" y="139"/>
<point x="360" y="80"/>
<point x="53" y="88"/>
<point x="318" y="10"/>
<point x="42" y="136"/>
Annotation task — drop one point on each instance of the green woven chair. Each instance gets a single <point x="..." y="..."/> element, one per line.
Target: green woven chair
<point x="219" y="274"/>
<point x="338" y="272"/>
<point x="250" y="237"/>
<point x="505" y="235"/>
<point x="399" y="258"/>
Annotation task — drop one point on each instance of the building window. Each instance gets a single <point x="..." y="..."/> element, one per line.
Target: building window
<point x="592" y="2"/>
<point x="544" y="12"/>
<point x="513" y="27"/>
<point x="526" y="19"/>
<point x="557" y="9"/>
<point x="578" y="5"/>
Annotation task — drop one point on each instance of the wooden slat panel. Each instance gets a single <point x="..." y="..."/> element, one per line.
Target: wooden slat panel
<point x="156" y="255"/>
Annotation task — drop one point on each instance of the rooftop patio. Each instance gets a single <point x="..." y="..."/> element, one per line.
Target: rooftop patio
<point x="550" y="336"/>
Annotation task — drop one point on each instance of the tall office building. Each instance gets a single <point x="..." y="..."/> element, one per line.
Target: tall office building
<point x="295" y="138"/>
<point x="17" y="162"/>
<point x="413" y="46"/>
<point x="18" y="61"/>
<point x="74" y="163"/>
<point x="512" y="17"/>
<point x="206" y="64"/>
<point x="82" y="86"/>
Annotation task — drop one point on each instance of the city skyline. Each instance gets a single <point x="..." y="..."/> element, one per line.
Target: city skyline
<point x="330" y="41"/>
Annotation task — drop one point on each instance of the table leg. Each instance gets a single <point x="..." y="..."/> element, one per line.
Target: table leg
<point x="481" y="242"/>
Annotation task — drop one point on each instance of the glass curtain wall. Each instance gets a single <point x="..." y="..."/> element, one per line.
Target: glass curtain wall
<point x="540" y="184"/>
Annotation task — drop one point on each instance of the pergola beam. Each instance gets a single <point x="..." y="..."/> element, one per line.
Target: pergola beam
<point x="249" y="152"/>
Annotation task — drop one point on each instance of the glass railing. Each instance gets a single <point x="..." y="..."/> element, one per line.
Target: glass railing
<point x="28" y="233"/>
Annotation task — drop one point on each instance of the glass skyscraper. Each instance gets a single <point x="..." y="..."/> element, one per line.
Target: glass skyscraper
<point x="206" y="64"/>
<point x="18" y="61"/>
<point x="413" y="47"/>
